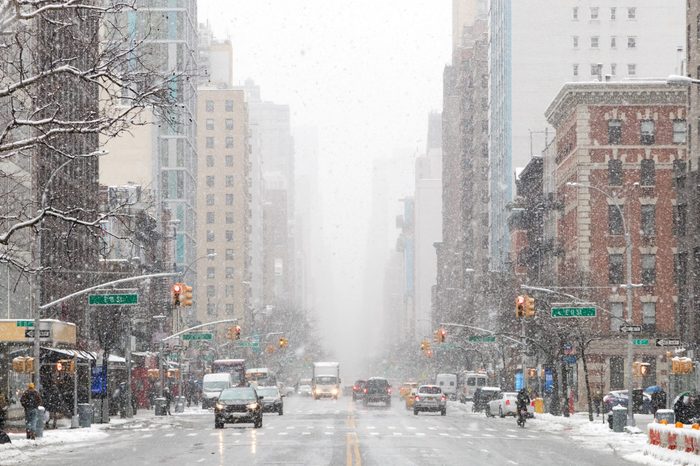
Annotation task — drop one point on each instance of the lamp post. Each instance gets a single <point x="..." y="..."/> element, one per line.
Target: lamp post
<point x="628" y="288"/>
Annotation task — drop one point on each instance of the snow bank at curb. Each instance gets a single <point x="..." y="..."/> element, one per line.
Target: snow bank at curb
<point x="22" y="449"/>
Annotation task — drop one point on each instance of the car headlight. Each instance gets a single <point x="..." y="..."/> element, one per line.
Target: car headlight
<point x="252" y="406"/>
<point x="334" y="391"/>
<point x="219" y="406"/>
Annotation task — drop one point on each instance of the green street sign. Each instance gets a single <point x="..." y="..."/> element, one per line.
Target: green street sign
<point x="25" y="323"/>
<point x="640" y="341"/>
<point x="573" y="312"/>
<point x="247" y="344"/>
<point x="482" y="339"/>
<point x="197" y="336"/>
<point x="120" y="299"/>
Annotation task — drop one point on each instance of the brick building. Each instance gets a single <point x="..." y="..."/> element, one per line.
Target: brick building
<point x="623" y="140"/>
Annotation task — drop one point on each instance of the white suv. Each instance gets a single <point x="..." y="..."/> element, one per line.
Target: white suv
<point x="430" y="398"/>
<point x="506" y="404"/>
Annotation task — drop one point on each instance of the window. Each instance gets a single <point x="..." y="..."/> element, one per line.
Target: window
<point x="614" y="131"/>
<point x="594" y="42"/>
<point x="574" y="13"/>
<point x="648" y="132"/>
<point x="649" y="313"/>
<point x="615" y="226"/>
<point x="210" y="217"/>
<point x="229" y="291"/>
<point x="229" y="160"/>
<point x="229" y="123"/>
<point x="615" y="269"/>
<point x="210" y="105"/>
<point x="210" y="199"/>
<point x="594" y="12"/>
<point x="615" y="172"/>
<point x="210" y="236"/>
<point x="210" y="123"/>
<point x="211" y="309"/>
<point x="229" y="272"/>
<point x="229" y="309"/>
<point x="617" y="373"/>
<point x="211" y="272"/>
<point x="596" y="69"/>
<point x="210" y="142"/>
<point x="210" y="181"/>
<point x="648" y="174"/>
<point x="575" y="41"/>
<point x="613" y="13"/>
<point x="616" y="310"/>
<point x="229" y="142"/>
<point x="229" y="199"/>
<point x="648" y="220"/>
<point x="229" y="254"/>
<point x="613" y="69"/>
<point x="680" y="218"/>
<point x="679" y="128"/>
<point x="648" y="268"/>
<point x="631" y="13"/>
<point x="229" y="105"/>
<point x="679" y="173"/>
<point x="613" y="42"/>
<point x="229" y="218"/>
<point x="680" y="268"/>
<point x="210" y="161"/>
<point x="631" y="69"/>
<point x="229" y="181"/>
<point x="631" y="42"/>
<point x="229" y="236"/>
<point x="211" y="291"/>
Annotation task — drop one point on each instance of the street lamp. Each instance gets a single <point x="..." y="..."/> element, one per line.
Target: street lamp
<point x="628" y="288"/>
<point x="683" y="80"/>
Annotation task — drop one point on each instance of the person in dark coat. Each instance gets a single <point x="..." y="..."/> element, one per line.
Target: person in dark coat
<point x="53" y="403"/>
<point x="31" y="400"/>
<point x="168" y="399"/>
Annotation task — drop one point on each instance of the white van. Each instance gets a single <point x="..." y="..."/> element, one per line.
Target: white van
<point x="468" y="382"/>
<point x="448" y="384"/>
<point x="212" y="384"/>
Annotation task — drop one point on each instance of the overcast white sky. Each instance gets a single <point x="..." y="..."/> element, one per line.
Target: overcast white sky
<point x="365" y="73"/>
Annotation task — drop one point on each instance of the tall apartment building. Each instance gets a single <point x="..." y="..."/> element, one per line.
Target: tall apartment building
<point x="624" y="140"/>
<point x="223" y="203"/>
<point x="533" y="55"/>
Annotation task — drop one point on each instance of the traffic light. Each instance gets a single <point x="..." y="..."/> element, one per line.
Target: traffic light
<point x="425" y="345"/>
<point x="520" y="306"/>
<point x="186" y="295"/>
<point x="529" y="306"/>
<point x="176" y="291"/>
<point x="283" y="343"/>
<point x="681" y="365"/>
<point x="237" y="332"/>
<point x="23" y="364"/>
<point x="441" y="334"/>
<point x="231" y="333"/>
<point x="640" y="369"/>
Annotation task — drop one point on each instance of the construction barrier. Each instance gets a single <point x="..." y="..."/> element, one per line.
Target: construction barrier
<point x="677" y="442"/>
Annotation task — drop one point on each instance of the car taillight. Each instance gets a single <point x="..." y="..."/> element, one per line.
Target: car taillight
<point x="355" y="387"/>
<point x="443" y="397"/>
<point x="365" y="390"/>
<point x="417" y="398"/>
<point x="507" y="402"/>
<point x="388" y="390"/>
<point x="532" y="403"/>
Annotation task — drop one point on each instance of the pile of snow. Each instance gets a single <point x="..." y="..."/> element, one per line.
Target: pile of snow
<point x="22" y="450"/>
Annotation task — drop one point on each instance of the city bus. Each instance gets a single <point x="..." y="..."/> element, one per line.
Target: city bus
<point x="261" y="377"/>
<point x="235" y="367"/>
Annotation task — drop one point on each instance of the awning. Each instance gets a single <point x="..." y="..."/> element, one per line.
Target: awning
<point x="88" y="355"/>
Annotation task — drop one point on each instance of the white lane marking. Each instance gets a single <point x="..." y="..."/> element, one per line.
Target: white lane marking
<point x="282" y="433"/>
<point x="397" y="434"/>
<point x="193" y="434"/>
<point x="169" y="435"/>
<point x="511" y="436"/>
<point x="466" y="435"/>
<point x="443" y="434"/>
<point x="370" y="427"/>
<point x="374" y="433"/>
<point x="236" y="433"/>
<point x="329" y="433"/>
<point x="488" y="435"/>
<point x="483" y="450"/>
<point x="410" y="428"/>
<point x="147" y="436"/>
<point x="512" y="462"/>
<point x="306" y="433"/>
<point x="391" y="427"/>
<point x="420" y="434"/>
<point x="291" y="427"/>
<point x="490" y="429"/>
<point x="432" y="427"/>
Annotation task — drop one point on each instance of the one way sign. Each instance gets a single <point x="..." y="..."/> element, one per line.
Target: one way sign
<point x="668" y="342"/>
<point x="44" y="333"/>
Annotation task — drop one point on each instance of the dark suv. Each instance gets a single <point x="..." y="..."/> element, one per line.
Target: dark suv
<point x="377" y="390"/>
<point x="358" y="390"/>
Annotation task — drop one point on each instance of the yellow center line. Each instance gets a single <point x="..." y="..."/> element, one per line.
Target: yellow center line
<point x="352" y="445"/>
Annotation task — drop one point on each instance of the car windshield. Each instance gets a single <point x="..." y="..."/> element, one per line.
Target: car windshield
<point x="215" y="385"/>
<point x="236" y="394"/>
<point x="430" y="390"/>
<point x="268" y="392"/>
<point x="325" y="380"/>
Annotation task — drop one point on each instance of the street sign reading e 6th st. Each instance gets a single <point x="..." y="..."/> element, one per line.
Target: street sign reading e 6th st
<point x="247" y="344"/>
<point x="573" y="312"/>
<point x="197" y="336"/>
<point x="482" y="339"/>
<point x="120" y="299"/>
<point x="640" y="341"/>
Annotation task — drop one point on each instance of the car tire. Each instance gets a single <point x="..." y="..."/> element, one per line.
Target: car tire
<point x="280" y="411"/>
<point x="388" y="403"/>
<point x="258" y="423"/>
<point x="354" y="397"/>
<point x="443" y="412"/>
<point x="415" y="412"/>
<point x="487" y="410"/>
<point x="218" y="424"/>
<point x="500" y="413"/>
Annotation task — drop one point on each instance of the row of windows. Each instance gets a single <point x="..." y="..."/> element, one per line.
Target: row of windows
<point x="228" y="161"/>
<point x="595" y="42"/>
<point x="211" y="272"/>
<point x="647" y="220"/>
<point x="211" y="199"/>
<point x="211" y="218"/>
<point x="228" y="122"/>
<point x="211" y="291"/>
<point x="647" y="132"/>
<point x="616" y="269"/>
<point x="597" y="69"/>
<point x="617" y="315"/>
<point x="228" y="106"/>
<point x="211" y="236"/>
<point x="211" y="141"/>
<point x="212" y="309"/>
<point x="211" y="181"/>
<point x="596" y="11"/>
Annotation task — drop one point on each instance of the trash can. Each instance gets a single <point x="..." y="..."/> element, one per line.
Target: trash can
<point x="619" y="418"/>
<point x="665" y="415"/>
<point x="41" y="412"/>
<point x="84" y="414"/>
<point x="180" y="404"/>
<point x="539" y="405"/>
<point x="160" y="406"/>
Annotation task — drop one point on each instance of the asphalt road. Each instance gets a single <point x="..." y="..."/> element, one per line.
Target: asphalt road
<point x="328" y="432"/>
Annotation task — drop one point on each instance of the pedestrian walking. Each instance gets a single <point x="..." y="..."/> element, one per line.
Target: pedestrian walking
<point x="30" y="401"/>
<point x="168" y="399"/>
<point x="597" y="400"/>
<point x="53" y="403"/>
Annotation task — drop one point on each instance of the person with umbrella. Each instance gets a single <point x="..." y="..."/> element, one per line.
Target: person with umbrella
<point x="658" y="398"/>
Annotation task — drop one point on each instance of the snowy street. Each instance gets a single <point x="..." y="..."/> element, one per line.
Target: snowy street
<point x="332" y="433"/>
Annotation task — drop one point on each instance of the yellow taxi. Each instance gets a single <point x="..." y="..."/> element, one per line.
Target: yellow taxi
<point x="411" y="398"/>
<point x="405" y="389"/>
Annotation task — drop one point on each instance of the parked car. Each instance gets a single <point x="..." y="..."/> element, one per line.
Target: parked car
<point x="430" y="398"/>
<point x="272" y="400"/>
<point x="482" y="395"/>
<point x="358" y="389"/>
<point x="619" y="398"/>
<point x="506" y="404"/>
<point x="377" y="390"/>
<point x="304" y="387"/>
<point x="238" y="404"/>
